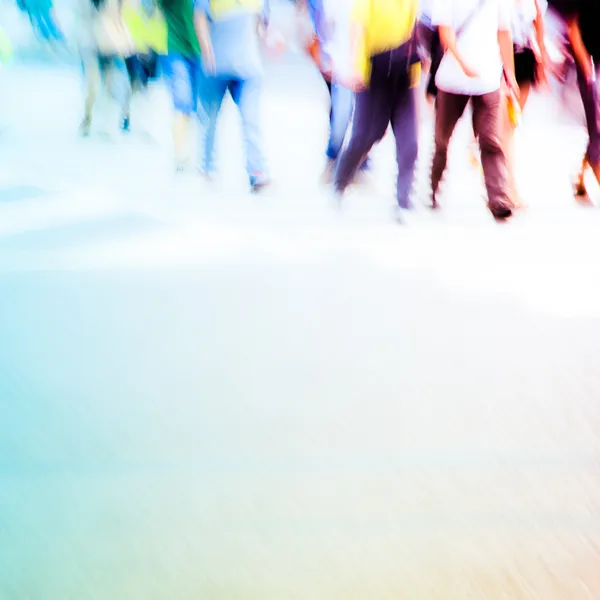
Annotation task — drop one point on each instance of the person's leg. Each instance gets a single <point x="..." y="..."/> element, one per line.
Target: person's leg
<point x="180" y="80"/>
<point x="342" y="104"/>
<point x="487" y="119"/>
<point x="92" y="77"/>
<point x="509" y="142"/>
<point x="591" y="103"/>
<point x="372" y="114"/>
<point x="449" y="110"/>
<point x="119" y="89"/>
<point x="247" y="94"/>
<point x="211" y="91"/>
<point x="405" y="128"/>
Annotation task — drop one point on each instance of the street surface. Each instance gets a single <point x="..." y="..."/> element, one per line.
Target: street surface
<point x="210" y="395"/>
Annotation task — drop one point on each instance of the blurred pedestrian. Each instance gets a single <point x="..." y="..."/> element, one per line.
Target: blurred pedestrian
<point x="328" y="43"/>
<point x="582" y="19"/>
<point x="182" y="71"/>
<point x="531" y="61"/>
<point x="104" y="42"/>
<point x="385" y="74"/>
<point x="476" y="37"/>
<point x="229" y="34"/>
<point x="148" y="30"/>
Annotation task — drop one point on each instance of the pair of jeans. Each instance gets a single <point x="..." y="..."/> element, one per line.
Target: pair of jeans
<point x="342" y="106"/>
<point x="182" y="75"/>
<point x="390" y="98"/>
<point x="246" y="93"/>
<point x="487" y="124"/>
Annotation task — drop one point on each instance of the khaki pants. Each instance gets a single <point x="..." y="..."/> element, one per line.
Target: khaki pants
<point x="487" y="126"/>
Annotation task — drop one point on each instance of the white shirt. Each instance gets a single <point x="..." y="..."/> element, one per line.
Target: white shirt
<point x="477" y="44"/>
<point x="337" y="47"/>
<point x="524" y="13"/>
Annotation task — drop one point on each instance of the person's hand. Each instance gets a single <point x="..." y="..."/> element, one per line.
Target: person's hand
<point x="354" y="82"/>
<point x="513" y="86"/>
<point x="468" y="71"/>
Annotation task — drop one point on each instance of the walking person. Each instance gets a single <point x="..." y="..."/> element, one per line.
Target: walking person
<point x="149" y="33"/>
<point x="182" y="71"/>
<point x="582" y="19"/>
<point x="386" y="73"/>
<point x="471" y="71"/>
<point x="229" y="35"/>
<point x="330" y="50"/>
<point x="531" y="60"/>
<point x="104" y="42"/>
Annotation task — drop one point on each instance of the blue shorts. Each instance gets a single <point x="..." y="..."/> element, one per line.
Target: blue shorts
<point x="182" y="75"/>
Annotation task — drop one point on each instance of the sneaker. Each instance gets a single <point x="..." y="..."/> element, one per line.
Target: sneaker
<point x="181" y="166"/>
<point x="500" y="211"/>
<point x="84" y="127"/>
<point x="258" y="183"/>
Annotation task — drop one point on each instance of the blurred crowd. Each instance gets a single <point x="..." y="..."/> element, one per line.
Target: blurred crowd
<point x="380" y="59"/>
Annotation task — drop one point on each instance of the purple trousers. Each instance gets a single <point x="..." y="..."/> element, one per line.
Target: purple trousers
<point x="388" y="99"/>
<point x="591" y="104"/>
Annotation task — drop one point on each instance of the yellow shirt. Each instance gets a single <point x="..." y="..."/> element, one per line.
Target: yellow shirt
<point x="387" y="24"/>
<point x="147" y="32"/>
<point x="222" y="8"/>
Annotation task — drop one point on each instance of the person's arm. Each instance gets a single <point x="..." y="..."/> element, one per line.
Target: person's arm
<point x="450" y="45"/>
<point x="203" y="33"/>
<point x="442" y="17"/>
<point x="505" y="42"/>
<point x="584" y="60"/>
<point x="540" y="35"/>
<point x="358" y="37"/>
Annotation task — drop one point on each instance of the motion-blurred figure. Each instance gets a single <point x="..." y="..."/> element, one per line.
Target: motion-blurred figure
<point x="148" y="30"/>
<point x="582" y="19"/>
<point x="43" y="20"/>
<point x="531" y="60"/>
<point x="229" y="34"/>
<point x="386" y="72"/>
<point x="104" y="42"/>
<point x="329" y="40"/>
<point x="478" y="47"/>
<point x="182" y="70"/>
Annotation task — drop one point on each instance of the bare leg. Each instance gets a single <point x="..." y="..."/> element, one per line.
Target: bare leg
<point x="509" y="134"/>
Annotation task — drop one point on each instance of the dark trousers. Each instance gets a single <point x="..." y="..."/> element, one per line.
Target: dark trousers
<point x="487" y="124"/>
<point x="388" y="99"/>
<point x="591" y="103"/>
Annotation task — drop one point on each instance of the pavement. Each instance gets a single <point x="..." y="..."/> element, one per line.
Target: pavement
<point x="208" y="394"/>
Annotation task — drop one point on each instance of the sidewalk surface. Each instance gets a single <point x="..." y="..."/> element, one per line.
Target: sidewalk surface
<point x="208" y="394"/>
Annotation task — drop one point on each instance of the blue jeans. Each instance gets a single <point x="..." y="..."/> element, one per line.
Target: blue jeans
<point x="342" y="105"/>
<point x="182" y="75"/>
<point x="246" y="95"/>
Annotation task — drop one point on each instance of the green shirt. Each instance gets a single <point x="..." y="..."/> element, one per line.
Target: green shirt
<point x="179" y="15"/>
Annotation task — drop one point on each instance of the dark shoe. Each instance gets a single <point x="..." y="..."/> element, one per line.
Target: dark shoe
<point x="125" y="124"/>
<point x="258" y="183"/>
<point x="500" y="211"/>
